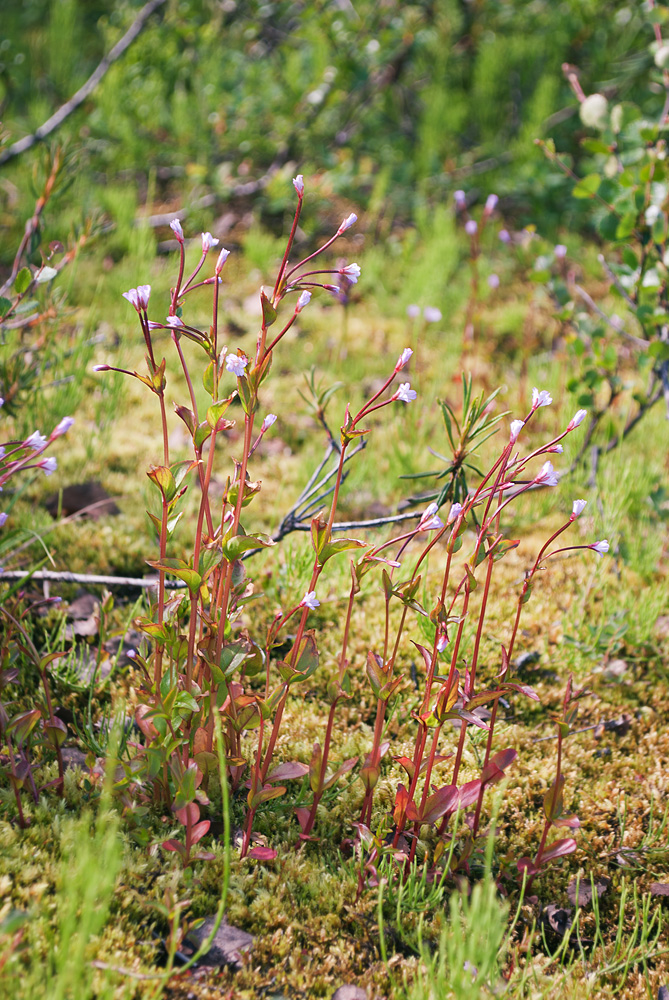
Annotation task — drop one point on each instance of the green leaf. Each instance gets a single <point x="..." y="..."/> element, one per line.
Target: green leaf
<point x="268" y="310"/>
<point x="5" y="306"/>
<point x="340" y="545"/>
<point x="587" y="187"/>
<point x="23" y="280"/>
<point x="659" y="349"/>
<point x="180" y="569"/>
<point x="233" y="547"/>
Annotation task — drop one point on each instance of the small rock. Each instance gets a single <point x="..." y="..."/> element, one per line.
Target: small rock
<point x="615" y="670"/>
<point x="659" y="889"/>
<point x="663" y="993"/>
<point x="73" y="757"/>
<point x="228" y="945"/>
<point x="89" y="498"/>
<point x="349" y="992"/>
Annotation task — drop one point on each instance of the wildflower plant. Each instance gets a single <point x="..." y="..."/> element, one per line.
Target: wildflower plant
<point x="199" y="664"/>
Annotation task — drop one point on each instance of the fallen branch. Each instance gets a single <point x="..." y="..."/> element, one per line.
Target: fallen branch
<point x="88" y="578"/>
<point x="57" y="119"/>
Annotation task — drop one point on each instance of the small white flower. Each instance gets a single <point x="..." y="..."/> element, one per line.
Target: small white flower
<point x="577" y="509"/>
<point x="454" y="512"/>
<point x="557" y="448"/>
<point x="403" y="359"/>
<point x="405" y="393"/>
<point x="2" y="400"/>
<point x="131" y="654"/>
<point x="413" y="312"/>
<point x="349" y="221"/>
<point x="504" y="235"/>
<point x="600" y="547"/>
<point x="222" y="257"/>
<point x="236" y="364"/>
<point x="2" y="450"/>
<point x="560" y="251"/>
<point x="493" y="281"/>
<point x="304" y="300"/>
<point x="63" y="427"/>
<point x="49" y="465"/>
<point x="547" y="476"/>
<point x="516" y="428"/>
<point x="429" y="519"/>
<point x="101" y="368"/>
<point x="577" y="419"/>
<point x="310" y="600"/>
<point x="208" y="241"/>
<point x="3" y="518"/>
<point x="298" y="184"/>
<point x="175" y="226"/>
<point x="442" y="640"/>
<point x="460" y="199"/>
<point x="174" y="321"/>
<point x="267" y="422"/>
<point x="491" y="203"/>
<point x="431" y="314"/>
<point x="542" y="398"/>
<point x="36" y="441"/>
<point x="471" y="227"/>
<point x="352" y="272"/>
<point x="138" y="297"/>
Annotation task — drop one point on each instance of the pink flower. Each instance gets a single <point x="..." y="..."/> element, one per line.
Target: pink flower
<point x="577" y="419"/>
<point x="547" y="476"/>
<point x="504" y="236"/>
<point x="236" y="364"/>
<point x="208" y="241"/>
<point x="267" y="422"/>
<point x="222" y="257"/>
<point x="49" y="465"/>
<point x="413" y="312"/>
<point x="174" y="321"/>
<point x="3" y="518"/>
<point x="560" y="251"/>
<point x="310" y="600"/>
<point x="577" y="509"/>
<point x="62" y="428"/>
<point x="454" y="512"/>
<point x="429" y="519"/>
<point x="557" y="448"/>
<point x="493" y="280"/>
<point x="36" y="441"/>
<point x="491" y="203"/>
<point x="349" y="221"/>
<point x="460" y="199"/>
<point x="471" y="227"/>
<point x="298" y="184"/>
<point x="542" y="398"/>
<point x="403" y="359"/>
<point x="101" y="368"/>
<point x="352" y="272"/>
<point x="432" y="315"/>
<point x="600" y="547"/>
<point x="516" y="428"/>
<point x="175" y="226"/>
<point x="304" y="300"/>
<point x="405" y="394"/>
<point x="138" y="297"/>
<point x="442" y="639"/>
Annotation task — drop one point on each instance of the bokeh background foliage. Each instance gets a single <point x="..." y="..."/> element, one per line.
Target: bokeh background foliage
<point x="393" y="104"/>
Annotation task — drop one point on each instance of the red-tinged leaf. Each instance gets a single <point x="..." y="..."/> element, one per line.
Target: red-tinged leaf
<point x="302" y="814"/>
<point x="412" y="813"/>
<point x="203" y="856"/>
<point x="425" y="653"/>
<point x="288" y="771"/>
<point x="55" y="731"/>
<point x="190" y="811"/>
<point x="526" y="865"/>
<point x="491" y="774"/>
<point x="483" y="698"/>
<point x="174" y="845"/>
<point x="262" y="854"/>
<point x="469" y="717"/>
<point x="553" y="799"/>
<point x="264" y="795"/>
<point x="524" y="689"/>
<point x="573" y="822"/>
<point x="343" y="769"/>
<point x="558" y="849"/>
<point x="199" y="831"/>
<point x="401" y="803"/>
<point x="503" y="758"/>
<point x="443" y="801"/>
<point x="407" y="764"/>
<point x="469" y="793"/>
